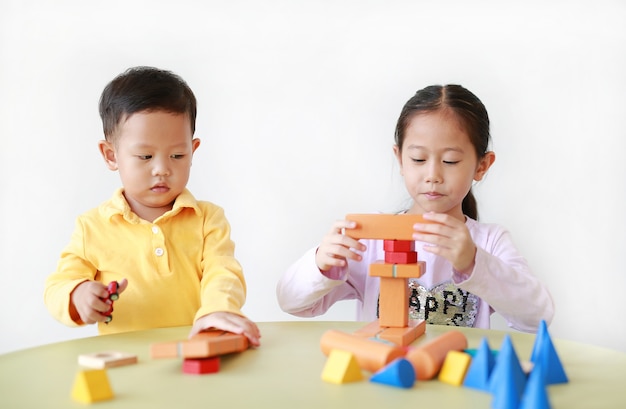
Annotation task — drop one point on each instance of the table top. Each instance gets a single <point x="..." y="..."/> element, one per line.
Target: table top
<point x="285" y="371"/>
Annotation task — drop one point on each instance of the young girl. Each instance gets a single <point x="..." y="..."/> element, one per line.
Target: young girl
<point x="472" y="268"/>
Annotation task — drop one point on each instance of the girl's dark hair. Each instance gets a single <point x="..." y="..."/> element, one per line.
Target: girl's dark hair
<point x="468" y="109"/>
<point x="145" y="89"/>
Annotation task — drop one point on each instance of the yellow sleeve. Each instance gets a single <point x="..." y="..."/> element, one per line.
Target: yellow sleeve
<point x="72" y="269"/>
<point x="222" y="286"/>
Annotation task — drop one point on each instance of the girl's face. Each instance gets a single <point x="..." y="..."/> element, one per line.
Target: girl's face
<point x="439" y="163"/>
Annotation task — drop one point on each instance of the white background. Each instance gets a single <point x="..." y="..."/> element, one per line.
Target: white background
<point x="297" y="105"/>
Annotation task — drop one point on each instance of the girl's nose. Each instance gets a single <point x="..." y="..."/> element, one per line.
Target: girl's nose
<point x="433" y="174"/>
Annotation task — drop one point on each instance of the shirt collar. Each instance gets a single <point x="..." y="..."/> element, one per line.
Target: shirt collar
<point x="119" y="206"/>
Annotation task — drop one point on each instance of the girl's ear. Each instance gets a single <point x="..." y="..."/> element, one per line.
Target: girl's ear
<point x="483" y="165"/>
<point x="398" y="154"/>
<point x="108" y="154"/>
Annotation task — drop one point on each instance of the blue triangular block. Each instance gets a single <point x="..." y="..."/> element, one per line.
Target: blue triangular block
<point x="506" y="394"/>
<point x="545" y="354"/>
<point x="535" y="395"/>
<point x="477" y="376"/>
<point x="507" y="367"/>
<point x="398" y="373"/>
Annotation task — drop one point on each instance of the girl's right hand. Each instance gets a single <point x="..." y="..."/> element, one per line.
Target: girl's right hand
<point x="337" y="248"/>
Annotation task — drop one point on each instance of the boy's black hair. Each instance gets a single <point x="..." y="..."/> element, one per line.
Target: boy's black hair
<point x="144" y="89"/>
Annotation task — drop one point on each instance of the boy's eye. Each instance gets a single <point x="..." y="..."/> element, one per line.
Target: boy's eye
<point x="177" y="156"/>
<point x="418" y="160"/>
<point x="451" y="162"/>
<point x="144" y="157"/>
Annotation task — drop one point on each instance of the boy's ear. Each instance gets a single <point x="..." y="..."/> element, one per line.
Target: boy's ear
<point x="484" y="164"/>
<point x="108" y="154"/>
<point x="194" y="144"/>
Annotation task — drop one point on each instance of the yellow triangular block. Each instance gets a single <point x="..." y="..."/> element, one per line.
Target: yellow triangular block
<point x="341" y="367"/>
<point x="92" y="386"/>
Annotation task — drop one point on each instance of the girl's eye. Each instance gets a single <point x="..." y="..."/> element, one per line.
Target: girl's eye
<point x="451" y="162"/>
<point x="418" y="160"/>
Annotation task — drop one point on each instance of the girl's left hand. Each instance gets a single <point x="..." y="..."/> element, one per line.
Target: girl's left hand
<point x="447" y="237"/>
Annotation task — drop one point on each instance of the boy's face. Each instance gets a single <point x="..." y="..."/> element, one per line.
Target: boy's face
<point x="152" y="152"/>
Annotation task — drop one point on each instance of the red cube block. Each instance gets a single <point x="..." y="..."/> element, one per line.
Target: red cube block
<point x="201" y="365"/>
<point x="393" y="257"/>
<point x="399" y="246"/>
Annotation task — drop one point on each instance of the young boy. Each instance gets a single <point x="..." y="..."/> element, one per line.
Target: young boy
<point x="171" y="255"/>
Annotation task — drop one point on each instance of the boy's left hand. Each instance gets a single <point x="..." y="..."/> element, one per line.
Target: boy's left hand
<point x="447" y="237"/>
<point x="227" y="321"/>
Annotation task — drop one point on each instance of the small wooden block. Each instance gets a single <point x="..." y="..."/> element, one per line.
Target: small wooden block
<point x="341" y="367"/>
<point x="404" y="336"/>
<point x="203" y="345"/>
<point x="384" y="226"/>
<point x="454" y="368"/>
<point x="107" y="359"/>
<point x="201" y="366"/>
<point x="371" y="330"/>
<point x="382" y="269"/>
<point x="92" y="386"/>
<point x="396" y="257"/>
<point x="393" y="304"/>
<point x="399" y="245"/>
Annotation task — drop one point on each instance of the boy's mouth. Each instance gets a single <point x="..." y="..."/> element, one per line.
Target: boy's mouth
<point x="160" y="188"/>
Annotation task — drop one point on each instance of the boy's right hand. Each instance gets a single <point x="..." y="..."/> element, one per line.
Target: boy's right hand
<point x="337" y="248"/>
<point x="89" y="301"/>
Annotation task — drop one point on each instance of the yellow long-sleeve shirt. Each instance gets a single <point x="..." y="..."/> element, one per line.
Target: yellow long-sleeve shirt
<point x="179" y="267"/>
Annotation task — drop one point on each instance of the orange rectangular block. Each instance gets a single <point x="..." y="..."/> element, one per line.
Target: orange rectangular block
<point x="382" y="269"/>
<point x="404" y="336"/>
<point x="203" y="345"/>
<point x="384" y="226"/>
<point x="393" y="307"/>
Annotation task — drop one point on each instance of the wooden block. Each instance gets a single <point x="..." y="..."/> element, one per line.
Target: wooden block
<point x="382" y="269"/>
<point x="370" y="354"/>
<point x="384" y="226"/>
<point x="92" y="386"/>
<point x="395" y="257"/>
<point x="454" y="368"/>
<point x="393" y="304"/>
<point x="201" y="366"/>
<point x="371" y="330"/>
<point x="428" y="358"/>
<point x="107" y="359"/>
<point x="399" y="373"/>
<point x="399" y="245"/>
<point x="341" y="367"/>
<point x="203" y="345"/>
<point x="406" y="335"/>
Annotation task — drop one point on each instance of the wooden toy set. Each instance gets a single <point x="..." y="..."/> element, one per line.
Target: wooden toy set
<point x="383" y="347"/>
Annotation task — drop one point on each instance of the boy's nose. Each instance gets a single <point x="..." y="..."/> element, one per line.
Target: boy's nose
<point x="160" y="169"/>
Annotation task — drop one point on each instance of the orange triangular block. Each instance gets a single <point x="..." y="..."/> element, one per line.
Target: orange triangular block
<point x="92" y="386"/>
<point x="341" y="367"/>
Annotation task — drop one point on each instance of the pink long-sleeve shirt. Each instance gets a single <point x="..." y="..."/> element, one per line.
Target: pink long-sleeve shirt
<point x="501" y="281"/>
